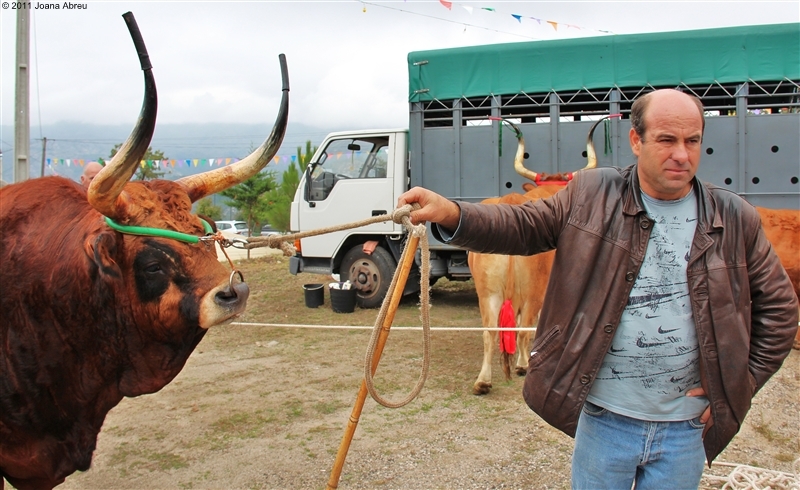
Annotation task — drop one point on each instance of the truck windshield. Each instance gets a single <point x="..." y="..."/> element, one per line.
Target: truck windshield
<point x="363" y="158"/>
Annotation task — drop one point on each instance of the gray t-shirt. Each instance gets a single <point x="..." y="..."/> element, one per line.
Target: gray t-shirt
<point x="653" y="359"/>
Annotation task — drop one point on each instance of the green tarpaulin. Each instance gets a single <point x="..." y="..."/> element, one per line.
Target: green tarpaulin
<point x="735" y="54"/>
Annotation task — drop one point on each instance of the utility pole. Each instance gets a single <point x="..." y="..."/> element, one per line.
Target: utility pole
<point x="22" y="130"/>
<point x="44" y="153"/>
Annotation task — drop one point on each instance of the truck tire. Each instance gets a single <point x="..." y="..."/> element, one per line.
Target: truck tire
<point x="370" y="274"/>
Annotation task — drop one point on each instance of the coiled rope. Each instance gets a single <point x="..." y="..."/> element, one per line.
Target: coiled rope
<point x="745" y="477"/>
<point x="402" y="216"/>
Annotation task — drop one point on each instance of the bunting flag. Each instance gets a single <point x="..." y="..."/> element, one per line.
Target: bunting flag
<point x="192" y="162"/>
<point x="517" y="17"/>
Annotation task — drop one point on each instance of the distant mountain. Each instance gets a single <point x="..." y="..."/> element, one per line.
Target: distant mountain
<point x="178" y="142"/>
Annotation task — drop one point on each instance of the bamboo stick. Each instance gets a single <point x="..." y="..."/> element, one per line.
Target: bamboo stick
<point x="352" y="423"/>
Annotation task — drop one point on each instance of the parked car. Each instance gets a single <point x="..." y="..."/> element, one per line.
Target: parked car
<point x="238" y="227"/>
<point x="267" y="230"/>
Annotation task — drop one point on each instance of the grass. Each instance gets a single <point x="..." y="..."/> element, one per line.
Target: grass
<point x="278" y="297"/>
<point x="128" y="457"/>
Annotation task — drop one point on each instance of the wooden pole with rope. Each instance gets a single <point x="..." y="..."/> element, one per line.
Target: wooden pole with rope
<point x="397" y="293"/>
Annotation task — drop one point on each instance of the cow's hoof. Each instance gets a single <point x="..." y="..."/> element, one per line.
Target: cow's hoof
<point x="521" y="371"/>
<point x="796" y="344"/>
<point x="481" y="388"/>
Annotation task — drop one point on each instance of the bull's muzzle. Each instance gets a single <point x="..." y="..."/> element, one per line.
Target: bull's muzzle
<point x="236" y="292"/>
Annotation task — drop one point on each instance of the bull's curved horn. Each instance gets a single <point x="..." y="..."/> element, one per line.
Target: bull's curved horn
<point x="201" y="185"/>
<point x="105" y="191"/>
<point x="518" y="166"/>
<point x="591" y="155"/>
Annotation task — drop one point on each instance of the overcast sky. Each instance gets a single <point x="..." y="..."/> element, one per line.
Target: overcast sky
<point x="218" y="61"/>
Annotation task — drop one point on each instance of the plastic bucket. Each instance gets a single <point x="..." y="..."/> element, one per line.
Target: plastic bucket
<point x="343" y="300"/>
<point x="315" y="295"/>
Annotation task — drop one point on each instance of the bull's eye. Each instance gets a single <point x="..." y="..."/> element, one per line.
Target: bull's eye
<point x="153" y="268"/>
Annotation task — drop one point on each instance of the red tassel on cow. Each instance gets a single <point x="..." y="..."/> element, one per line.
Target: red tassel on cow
<point x="508" y="338"/>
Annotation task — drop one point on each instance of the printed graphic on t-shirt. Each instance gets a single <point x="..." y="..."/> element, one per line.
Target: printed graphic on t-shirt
<point x="653" y="359"/>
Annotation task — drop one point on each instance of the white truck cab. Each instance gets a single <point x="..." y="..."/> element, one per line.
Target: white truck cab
<point x="353" y="176"/>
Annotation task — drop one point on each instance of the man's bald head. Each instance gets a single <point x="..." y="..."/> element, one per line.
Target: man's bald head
<point x="89" y="171"/>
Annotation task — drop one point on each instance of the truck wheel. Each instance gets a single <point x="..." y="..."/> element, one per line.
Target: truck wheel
<point x="370" y="274"/>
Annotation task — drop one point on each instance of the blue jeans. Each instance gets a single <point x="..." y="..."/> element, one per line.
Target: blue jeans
<point x="613" y="451"/>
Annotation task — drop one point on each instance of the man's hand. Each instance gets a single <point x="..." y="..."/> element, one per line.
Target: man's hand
<point x="433" y="208"/>
<point x="705" y="417"/>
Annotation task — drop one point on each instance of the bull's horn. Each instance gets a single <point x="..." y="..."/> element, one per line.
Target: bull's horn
<point x="105" y="191"/>
<point x="201" y="185"/>
<point x="591" y="155"/>
<point x="518" y="166"/>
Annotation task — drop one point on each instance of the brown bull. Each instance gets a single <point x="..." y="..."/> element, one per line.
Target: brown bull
<point x="782" y="228"/>
<point x="89" y="314"/>
<point x="520" y="279"/>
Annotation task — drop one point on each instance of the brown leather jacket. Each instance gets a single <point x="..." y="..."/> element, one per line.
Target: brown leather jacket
<point x="745" y="309"/>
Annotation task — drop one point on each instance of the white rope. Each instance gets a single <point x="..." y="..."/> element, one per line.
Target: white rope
<point x="745" y="477"/>
<point x="361" y="327"/>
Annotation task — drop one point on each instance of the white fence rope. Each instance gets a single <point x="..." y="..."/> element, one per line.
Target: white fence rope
<point x="359" y="327"/>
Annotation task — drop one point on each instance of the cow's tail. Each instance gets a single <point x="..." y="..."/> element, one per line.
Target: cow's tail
<point x="507" y="319"/>
<point x="508" y="338"/>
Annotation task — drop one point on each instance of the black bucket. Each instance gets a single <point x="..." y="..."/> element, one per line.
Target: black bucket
<point x="315" y="295"/>
<point x="343" y="300"/>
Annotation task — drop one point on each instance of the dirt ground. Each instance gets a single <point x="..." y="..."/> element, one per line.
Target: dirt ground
<point x="267" y="406"/>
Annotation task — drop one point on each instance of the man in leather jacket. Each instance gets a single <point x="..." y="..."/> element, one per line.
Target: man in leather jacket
<point x="666" y="309"/>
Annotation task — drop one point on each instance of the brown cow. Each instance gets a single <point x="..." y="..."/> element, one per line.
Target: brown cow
<point x="520" y="279"/>
<point x="782" y="228"/>
<point x="89" y="314"/>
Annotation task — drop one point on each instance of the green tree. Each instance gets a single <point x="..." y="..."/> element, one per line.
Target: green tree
<point x="277" y="203"/>
<point x="206" y="207"/>
<point x="248" y="198"/>
<point x="148" y="171"/>
<point x="304" y="158"/>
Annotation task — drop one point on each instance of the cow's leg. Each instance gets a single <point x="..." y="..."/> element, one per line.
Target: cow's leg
<point x="483" y="384"/>
<point x="526" y="319"/>
<point x="490" y="309"/>
<point x="523" y="351"/>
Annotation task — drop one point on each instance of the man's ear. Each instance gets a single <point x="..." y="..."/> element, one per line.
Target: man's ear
<point x="636" y="142"/>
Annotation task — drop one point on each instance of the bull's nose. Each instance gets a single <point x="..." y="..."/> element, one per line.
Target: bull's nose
<point x="232" y="295"/>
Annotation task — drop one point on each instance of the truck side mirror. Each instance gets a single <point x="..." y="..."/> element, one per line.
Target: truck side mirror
<point x="309" y="170"/>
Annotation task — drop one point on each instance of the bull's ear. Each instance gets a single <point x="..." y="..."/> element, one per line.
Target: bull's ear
<point x="101" y="249"/>
<point x="209" y="221"/>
